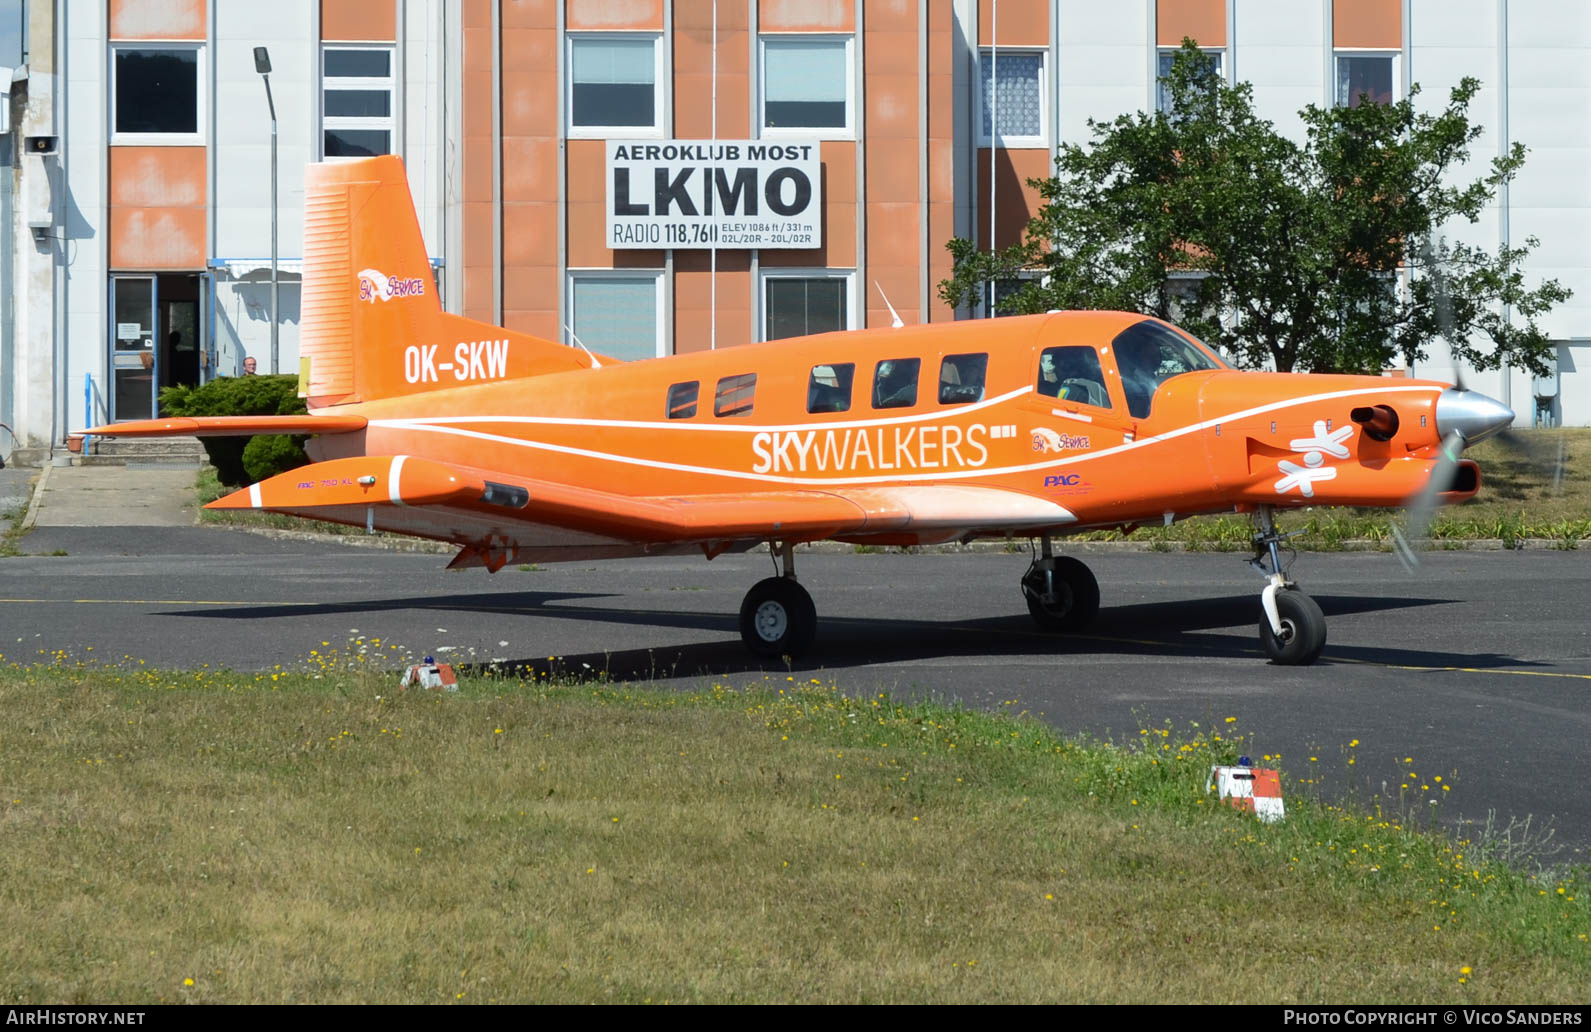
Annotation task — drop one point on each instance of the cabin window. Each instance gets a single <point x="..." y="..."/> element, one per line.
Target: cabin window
<point x="1150" y="353"/>
<point x="895" y="382"/>
<point x="734" y="395"/>
<point x="1072" y="374"/>
<point x="961" y="378"/>
<point x="682" y="399"/>
<point x="829" y="389"/>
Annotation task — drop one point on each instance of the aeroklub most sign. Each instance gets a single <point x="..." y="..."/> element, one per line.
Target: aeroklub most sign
<point x="694" y="193"/>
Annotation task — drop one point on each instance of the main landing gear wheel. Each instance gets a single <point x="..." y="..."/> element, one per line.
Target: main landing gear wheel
<point x="778" y="618"/>
<point x="1061" y="593"/>
<point x="1303" y="630"/>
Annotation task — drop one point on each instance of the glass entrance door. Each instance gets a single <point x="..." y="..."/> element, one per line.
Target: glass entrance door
<point x="134" y="358"/>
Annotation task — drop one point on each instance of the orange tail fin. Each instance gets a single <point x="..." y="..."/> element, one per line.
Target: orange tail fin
<point x="372" y="324"/>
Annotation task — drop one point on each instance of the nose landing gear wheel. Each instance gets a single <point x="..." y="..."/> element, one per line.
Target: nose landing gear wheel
<point x="1061" y="593"/>
<point x="778" y="618"/>
<point x="1303" y="630"/>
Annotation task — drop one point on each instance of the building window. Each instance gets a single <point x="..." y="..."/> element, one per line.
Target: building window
<point x="155" y="94"/>
<point x="806" y="85"/>
<point x="1212" y="72"/>
<point x="356" y="101"/>
<point x="618" y="314"/>
<point x="1365" y="77"/>
<point x="1013" y="98"/>
<point x="803" y="304"/>
<point x="613" y="84"/>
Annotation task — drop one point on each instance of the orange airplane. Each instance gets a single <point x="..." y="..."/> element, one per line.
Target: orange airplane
<point x="520" y="449"/>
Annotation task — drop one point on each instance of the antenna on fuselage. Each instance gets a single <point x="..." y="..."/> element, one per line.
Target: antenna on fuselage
<point x="894" y="316"/>
<point x="574" y="337"/>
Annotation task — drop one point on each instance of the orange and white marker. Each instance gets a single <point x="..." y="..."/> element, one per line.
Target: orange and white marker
<point x="1253" y="789"/>
<point x="431" y="675"/>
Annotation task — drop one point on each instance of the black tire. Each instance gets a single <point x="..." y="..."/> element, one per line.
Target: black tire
<point x="1076" y="600"/>
<point x="778" y="618"/>
<point x="1303" y="630"/>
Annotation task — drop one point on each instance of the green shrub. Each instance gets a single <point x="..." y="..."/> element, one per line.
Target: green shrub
<point x="236" y="458"/>
<point x="269" y="454"/>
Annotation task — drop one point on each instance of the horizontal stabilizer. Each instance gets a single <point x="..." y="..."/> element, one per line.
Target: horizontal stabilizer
<point x="364" y="480"/>
<point x="229" y="426"/>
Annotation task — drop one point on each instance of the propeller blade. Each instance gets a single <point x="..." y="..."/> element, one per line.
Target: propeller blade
<point x="1422" y="507"/>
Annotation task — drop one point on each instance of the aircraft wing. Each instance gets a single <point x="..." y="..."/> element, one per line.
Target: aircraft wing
<point x="486" y="510"/>
<point x="229" y="426"/>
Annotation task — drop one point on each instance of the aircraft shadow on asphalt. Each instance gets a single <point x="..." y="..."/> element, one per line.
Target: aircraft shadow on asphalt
<point x="1173" y="628"/>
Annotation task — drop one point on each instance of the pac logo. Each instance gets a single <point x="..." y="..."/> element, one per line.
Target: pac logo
<point x="375" y="285"/>
<point x="1064" y="480"/>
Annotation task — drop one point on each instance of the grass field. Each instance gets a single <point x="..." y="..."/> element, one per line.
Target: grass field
<point x="321" y="837"/>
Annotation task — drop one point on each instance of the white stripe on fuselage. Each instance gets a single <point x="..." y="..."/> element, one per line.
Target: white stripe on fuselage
<point x="433" y="425"/>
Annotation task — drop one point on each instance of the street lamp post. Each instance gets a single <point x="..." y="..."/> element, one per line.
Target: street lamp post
<point x="262" y="64"/>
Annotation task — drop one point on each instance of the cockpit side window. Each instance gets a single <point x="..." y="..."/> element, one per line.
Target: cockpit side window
<point x="1072" y="373"/>
<point x="895" y="382"/>
<point x="1148" y="354"/>
<point x="961" y="378"/>
<point x="829" y="389"/>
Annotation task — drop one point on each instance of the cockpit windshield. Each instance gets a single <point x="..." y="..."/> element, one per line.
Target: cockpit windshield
<point x="1148" y="354"/>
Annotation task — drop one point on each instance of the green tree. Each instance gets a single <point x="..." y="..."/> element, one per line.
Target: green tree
<point x="1274" y="250"/>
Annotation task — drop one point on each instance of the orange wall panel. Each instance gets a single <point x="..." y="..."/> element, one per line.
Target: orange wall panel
<point x="530" y="14"/>
<point x="157" y="177"/>
<point x="1023" y="23"/>
<point x="480" y="65"/>
<point x="618" y="14"/>
<point x="693" y="71"/>
<point x="353" y="21"/>
<point x="157" y="238"/>
<point x="1017" y="201"/>
<point x="530" y="239"/>
<point x="1203" y="21"/>
<point x="157" y="207"/>
<point x="157" y="19"/>
<point x="806" y="16"/>
<point x="530" y="168"/>
<point x="1366" y="24"/>
<point x="694" y="304"/>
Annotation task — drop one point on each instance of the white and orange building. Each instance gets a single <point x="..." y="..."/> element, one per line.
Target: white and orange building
<point x="140" y="229"/>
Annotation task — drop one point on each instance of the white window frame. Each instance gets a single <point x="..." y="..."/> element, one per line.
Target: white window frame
<point x="1397" y="79"/>
<point x="764" y="130"/>
<point x="662" y="73"/>
<point x="656" y="275"/>
<point x="201" y="113"/>
<point x="389" y="83"/>
<point x="852" y="302"/>
<point x="1217" y="52"/>
<point x="1042" y="140"/>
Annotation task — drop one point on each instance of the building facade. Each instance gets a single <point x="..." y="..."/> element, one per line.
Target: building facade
<point x="654" y="177"/>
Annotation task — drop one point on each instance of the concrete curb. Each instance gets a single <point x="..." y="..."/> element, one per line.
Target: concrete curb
<point x="38" y="496"/>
